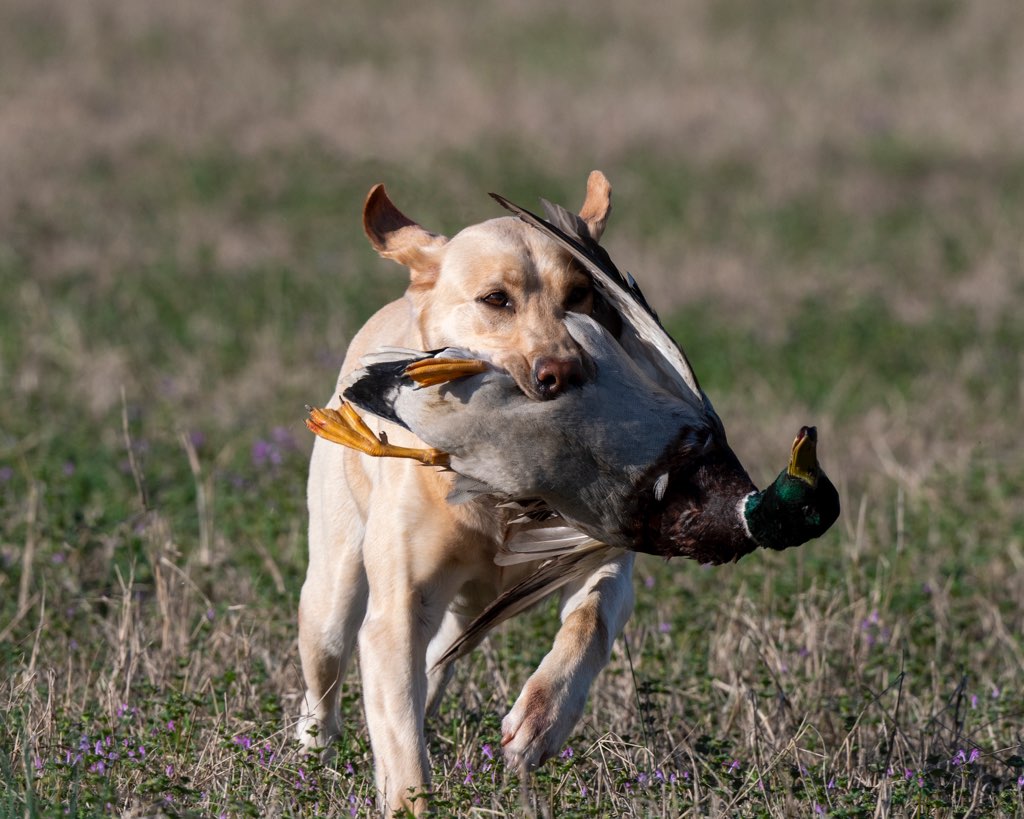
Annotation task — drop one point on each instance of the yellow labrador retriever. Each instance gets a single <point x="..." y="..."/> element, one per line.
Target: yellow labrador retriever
<point x="390" y="561"/>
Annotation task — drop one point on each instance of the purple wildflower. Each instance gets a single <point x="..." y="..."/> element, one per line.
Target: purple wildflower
<point x="68" y="469"/>
<point x="959" y="759"/>
<point x="486" y="751"/>
<point x="261" y="452"/>
<point x="567" y="753"/>
<point x="734" y="766"/>
<point x="267" y="755"/>
<point x="284" y="437"/>
<point x="169" y="770"/>
<point x="974" y="700"/>
<point x="975" y="753"/>
<point x="649" y="582"/>
<point x="664" y="628"/>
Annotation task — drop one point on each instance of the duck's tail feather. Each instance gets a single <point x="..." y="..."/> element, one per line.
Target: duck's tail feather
<point x="382" y="374"/>
<point x="374" y="388"/>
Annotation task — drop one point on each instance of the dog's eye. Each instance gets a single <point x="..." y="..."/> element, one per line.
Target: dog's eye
<point x="577" y="294"/>
<point x="498" y="298"/>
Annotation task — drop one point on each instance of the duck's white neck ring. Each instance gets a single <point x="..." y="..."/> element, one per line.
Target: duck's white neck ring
<point x="741" y="511"/>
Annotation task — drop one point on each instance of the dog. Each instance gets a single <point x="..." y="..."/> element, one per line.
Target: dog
<point x="391" y="562"/>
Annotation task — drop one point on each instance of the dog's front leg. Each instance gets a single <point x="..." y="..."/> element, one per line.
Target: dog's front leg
<point x="408" y="597"/>
<point x="594" y="611"/>
<point x="392" y="651"/>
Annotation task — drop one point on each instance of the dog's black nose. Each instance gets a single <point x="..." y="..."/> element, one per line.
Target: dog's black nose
<point x="555" y="375"/>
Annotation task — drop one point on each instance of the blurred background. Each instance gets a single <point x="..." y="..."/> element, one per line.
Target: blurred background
<point x="824" y="201"/>
<point x="182" y="186"/>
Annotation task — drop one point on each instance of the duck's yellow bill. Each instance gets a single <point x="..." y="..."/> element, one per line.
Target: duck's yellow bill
<point x="803" y="461"/>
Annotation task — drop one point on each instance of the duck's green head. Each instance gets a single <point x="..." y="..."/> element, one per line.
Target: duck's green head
<point x="801" y="504"/>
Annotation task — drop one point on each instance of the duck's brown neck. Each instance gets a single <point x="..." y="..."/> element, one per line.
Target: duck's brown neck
<point x="700" y="516"/>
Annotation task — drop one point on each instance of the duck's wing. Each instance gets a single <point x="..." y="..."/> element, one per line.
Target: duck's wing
<point x="549" y="577"/>
<point x="654" y="345"/>
<point x="529" y="539"/>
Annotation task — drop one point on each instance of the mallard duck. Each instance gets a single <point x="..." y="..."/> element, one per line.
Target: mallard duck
<point x="633" y="458"/>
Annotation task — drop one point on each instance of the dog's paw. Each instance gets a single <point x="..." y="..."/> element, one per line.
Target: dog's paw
<point x="315" y="737"/>
<point x="540" y="722"/>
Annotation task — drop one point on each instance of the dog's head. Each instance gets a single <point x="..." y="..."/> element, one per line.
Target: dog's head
<point x="500" y="288"/>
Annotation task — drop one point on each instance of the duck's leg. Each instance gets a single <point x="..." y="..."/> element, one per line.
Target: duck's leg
<point x="428" y="372"/>
<point x="344" y="426"/>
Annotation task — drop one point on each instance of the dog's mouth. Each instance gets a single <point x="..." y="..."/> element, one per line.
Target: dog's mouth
<point x="522" y="372"/>
<point x="548" y="378"/>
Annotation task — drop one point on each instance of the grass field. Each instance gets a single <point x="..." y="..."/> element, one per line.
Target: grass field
<point x="824" y="200"/>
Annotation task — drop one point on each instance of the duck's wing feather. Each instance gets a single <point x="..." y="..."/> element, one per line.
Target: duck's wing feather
<point x="530" y="540"/>
<point x="549" y="577"/>
<point x="657" y="347"/>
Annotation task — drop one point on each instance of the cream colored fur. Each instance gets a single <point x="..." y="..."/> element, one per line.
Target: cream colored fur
<point x="394" y="565"/>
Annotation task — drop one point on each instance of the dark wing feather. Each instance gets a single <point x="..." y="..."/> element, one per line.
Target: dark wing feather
<point x="551" y="576"/>
<point x="576" y="229"/>
<point x="623" y="293"/>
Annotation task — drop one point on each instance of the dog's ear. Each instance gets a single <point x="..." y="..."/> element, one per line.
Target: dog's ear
<point x="395" y="236"/>
<point x="597" y="205"/>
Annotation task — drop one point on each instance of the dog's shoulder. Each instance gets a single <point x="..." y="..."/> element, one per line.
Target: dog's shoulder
<point x="393" y="325"/>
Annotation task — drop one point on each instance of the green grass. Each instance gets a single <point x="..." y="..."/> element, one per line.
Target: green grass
<point x="828" y="249"/>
